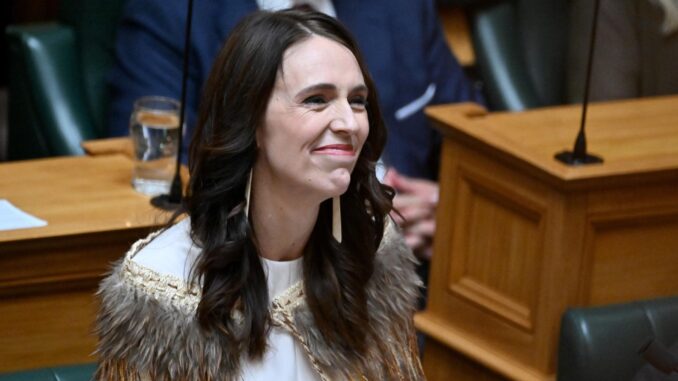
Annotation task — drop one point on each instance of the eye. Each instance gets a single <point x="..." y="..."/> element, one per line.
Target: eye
<point x="315" y="100"/>
<point x="359" y="102"/>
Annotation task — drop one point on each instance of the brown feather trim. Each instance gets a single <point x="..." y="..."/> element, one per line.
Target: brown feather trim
<point x="139" y="334"/>
<point x="142" y="331"/>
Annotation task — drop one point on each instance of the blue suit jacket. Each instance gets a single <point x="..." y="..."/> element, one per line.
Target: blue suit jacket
<point x="401" y="41"/>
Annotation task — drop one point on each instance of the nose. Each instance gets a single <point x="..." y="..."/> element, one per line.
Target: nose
<point x="344" y="120"/>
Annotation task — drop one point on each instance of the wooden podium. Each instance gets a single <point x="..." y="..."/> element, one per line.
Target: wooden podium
<point x="521" y="236"/>
<point x="48" y="275"/>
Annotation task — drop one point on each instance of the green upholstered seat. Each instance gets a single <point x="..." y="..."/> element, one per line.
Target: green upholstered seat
<point x="602" y="343"/>
<point x="57" y="89"/>
<point x="65" y="373"/>
<point x="521" y="51"/>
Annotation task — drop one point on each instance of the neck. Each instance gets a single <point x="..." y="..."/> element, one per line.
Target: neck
<point x="282" y="220"/>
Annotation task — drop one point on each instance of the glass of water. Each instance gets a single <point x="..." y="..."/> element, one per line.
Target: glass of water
<point x="154" y="127"/>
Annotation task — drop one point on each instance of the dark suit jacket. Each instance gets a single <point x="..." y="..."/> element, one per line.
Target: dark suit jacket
<point x="401" y="41"/>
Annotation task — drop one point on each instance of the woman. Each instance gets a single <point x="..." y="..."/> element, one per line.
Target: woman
<point x="287" y="267"/>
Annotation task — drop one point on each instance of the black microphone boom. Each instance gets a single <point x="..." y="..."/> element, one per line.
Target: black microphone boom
<point x="172" y="201"/>
<point x="579" y="155"/>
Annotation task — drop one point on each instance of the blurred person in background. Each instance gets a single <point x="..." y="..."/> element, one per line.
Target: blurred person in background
<point x="636" y="52"/>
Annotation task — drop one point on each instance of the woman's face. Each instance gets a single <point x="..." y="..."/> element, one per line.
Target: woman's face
<point x="316" y="121"/>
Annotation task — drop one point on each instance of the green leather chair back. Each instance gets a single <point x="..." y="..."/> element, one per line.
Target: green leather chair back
<point x="602" y="343"/>
<point x="65" y="373"/>
<point x="521" y="51"/>
<point x="57" y="89"/>
<point x="94" y="23"/>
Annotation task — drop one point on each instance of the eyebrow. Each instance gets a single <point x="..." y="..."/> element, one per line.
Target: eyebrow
<point x="328" y="86"/>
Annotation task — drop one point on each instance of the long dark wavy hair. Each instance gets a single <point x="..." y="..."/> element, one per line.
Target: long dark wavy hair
<point x="222" y="152"/>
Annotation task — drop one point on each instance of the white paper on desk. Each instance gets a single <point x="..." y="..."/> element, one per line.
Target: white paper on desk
<point x="12" y="217"/>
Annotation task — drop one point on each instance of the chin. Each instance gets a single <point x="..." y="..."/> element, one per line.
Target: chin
<point x="340" y="191"/>
<point x="333" y="190"/>
<point x="340" y="180"/>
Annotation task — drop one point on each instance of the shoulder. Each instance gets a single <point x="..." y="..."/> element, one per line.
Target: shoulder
<point x="395" y="279"/>
<point x="147" y="320"/>
<point x="392" y="249"/>
<point x="392" y="300"/>
<point x="169" y="252"/>
<point x="156" y="268"/>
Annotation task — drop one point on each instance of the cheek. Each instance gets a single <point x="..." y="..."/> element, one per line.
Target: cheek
<point x="279" y="150"/>
<point x="285" y="148"/>
<point x="277" y="136"/>
<point x="364" y="129"/>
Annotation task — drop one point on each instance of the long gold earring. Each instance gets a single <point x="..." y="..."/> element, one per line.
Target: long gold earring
<point x="248" y="190"/>
<point x="336" y="218"/>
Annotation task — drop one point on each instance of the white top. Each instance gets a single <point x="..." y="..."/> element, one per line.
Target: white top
<point x="285" y="359"/>
<point x="173" y="253"/>
<point x="324" y="6"/>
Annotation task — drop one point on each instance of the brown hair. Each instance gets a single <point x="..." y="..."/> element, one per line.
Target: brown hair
<point x="222" y="152"/>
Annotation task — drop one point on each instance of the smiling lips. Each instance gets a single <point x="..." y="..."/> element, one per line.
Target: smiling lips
<point x="336" y="149"/>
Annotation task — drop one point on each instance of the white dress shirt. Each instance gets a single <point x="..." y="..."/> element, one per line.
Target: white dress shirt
<point x="324" y="6"/>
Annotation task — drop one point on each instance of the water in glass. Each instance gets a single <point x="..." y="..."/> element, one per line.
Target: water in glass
<point x="155" y="135"/>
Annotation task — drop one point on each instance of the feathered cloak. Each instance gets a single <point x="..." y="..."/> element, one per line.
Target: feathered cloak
<point x="147" y="325"/>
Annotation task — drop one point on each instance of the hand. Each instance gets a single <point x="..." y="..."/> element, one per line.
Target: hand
<point x="416" y="201"/>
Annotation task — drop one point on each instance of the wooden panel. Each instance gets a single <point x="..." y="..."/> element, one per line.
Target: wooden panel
<point x="489" y="319"/>
<point x="46" y="330"/>
<point x="525" y="234"/>
<point x="44" y="265"/>
<point x="444" y="364"/>
<point x="634" y="258"/>
<point x="560" y="277"/>
<point x="599" y="234"/>
<point x="47" y="296"/>
<point x="631" y="230"/>
<point x="528" y="140"/>
<point x="637" y="198"/>
<point x="498" y="266"/>
<point x="464" y="357"/>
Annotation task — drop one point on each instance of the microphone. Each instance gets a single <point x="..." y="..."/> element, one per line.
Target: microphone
<point x="579" y="154"/>
<point x="658" y="356"/>
<point x="172" y="201"/>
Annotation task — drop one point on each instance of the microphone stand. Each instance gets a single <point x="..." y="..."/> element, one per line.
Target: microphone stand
<point x="172" y="201"/>
<point x="578" y="155"/>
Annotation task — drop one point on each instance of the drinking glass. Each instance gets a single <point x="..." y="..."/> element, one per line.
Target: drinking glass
<point x="154" y="128"/>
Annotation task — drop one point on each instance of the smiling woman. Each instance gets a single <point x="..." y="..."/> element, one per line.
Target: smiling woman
<point x="315" y="124"/>
<point x="264" y="280"/>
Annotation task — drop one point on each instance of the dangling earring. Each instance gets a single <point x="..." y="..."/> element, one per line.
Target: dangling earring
<point x="248" y="190"/>
<point x="336" y="218"/>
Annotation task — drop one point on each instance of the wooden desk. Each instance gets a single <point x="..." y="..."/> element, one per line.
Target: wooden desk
<point x="521" y="236"/>
<point x="109" y="146"/>
<point x="48" y="275"/>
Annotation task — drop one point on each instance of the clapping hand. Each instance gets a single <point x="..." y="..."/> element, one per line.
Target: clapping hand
<point x="416" y="201"/>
